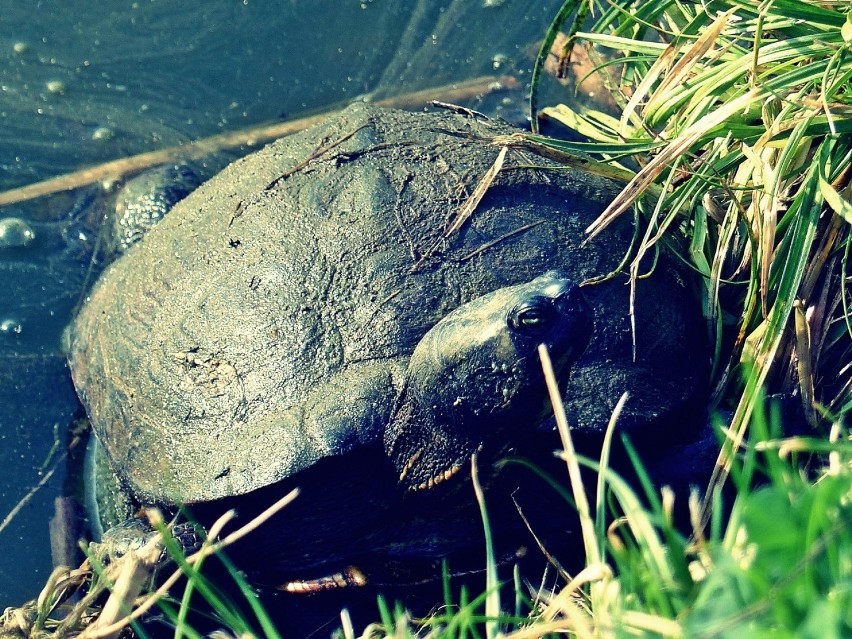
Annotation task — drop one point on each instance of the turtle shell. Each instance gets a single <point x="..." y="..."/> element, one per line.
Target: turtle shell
<point x="267" y="322"/>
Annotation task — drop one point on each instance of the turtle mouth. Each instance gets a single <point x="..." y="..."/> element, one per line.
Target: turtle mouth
<point x="410" y="464"/>
<point x="405" y="476"/>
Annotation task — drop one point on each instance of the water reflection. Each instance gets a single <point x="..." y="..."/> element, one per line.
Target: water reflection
<point x="84" y="82"/>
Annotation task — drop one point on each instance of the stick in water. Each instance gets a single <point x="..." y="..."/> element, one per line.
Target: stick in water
<point x="457" y="92"/>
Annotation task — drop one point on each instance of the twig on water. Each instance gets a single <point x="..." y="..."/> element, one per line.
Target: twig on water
<point x="457" y="92"/>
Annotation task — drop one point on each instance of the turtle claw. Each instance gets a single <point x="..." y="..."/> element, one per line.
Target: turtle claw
<point x="137" y="532"/>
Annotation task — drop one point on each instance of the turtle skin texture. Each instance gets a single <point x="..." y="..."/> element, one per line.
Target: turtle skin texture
<point x="327" y="313"/>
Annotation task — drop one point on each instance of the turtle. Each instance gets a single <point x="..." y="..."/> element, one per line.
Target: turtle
<point x="333" y="312"/>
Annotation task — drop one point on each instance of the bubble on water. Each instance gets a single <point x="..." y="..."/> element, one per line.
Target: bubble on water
<point x="10" y="327"/>
<point x="20" y="47"/>
<point x="57" y="86"/>
<point x="499" y="60"/>
<point x="15" y="233"/>
<point x="103" y="133"/>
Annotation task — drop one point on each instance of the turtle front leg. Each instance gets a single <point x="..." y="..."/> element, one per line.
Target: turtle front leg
<point x="350" y="576"/>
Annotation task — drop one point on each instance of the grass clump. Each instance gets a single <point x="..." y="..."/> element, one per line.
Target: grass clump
<point x="729" y="123"/>
<point x="777" y="566"/>
<point x="738" y="116"/>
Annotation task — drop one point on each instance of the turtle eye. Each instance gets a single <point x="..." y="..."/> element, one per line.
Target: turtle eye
<point x="533" y="317"/>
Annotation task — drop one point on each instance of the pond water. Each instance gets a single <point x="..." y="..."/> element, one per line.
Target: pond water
<point x="83" y="82"/>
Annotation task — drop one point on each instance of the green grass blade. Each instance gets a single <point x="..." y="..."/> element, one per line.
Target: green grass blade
<point x="561" y="17"/>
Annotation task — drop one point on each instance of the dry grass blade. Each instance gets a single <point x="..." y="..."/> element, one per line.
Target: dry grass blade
<point x="803" y="359"/>
<point x="593" y="554"/>
<point x="546" y="628"/>
<point x="692" y="54"/>
<point x="39" y="618"/>
<point x="467" y="209"/>
<point x="134" y="571"/>
<point x="762" y="212"/>
<point x="476" y="197"/>
<point x="105" y="631"/>
<point x="563" y="603"/>
<point x="678" y="74"/>
<point x="644" y="87"/>
<point x="644" y="622"/>
<point x="680" y="145"/>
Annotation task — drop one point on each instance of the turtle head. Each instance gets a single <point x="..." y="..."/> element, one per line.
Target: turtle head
<point x="475" y="379"/>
